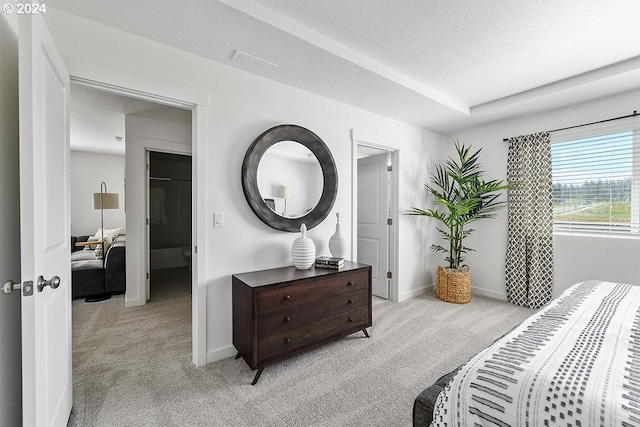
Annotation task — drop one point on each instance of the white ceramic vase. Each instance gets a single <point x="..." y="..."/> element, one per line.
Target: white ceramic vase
<point x="303" y="250"/>
<point x="337" y="242"/>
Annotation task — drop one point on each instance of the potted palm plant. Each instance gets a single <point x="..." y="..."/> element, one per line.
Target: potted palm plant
<point x="461" y="197"/>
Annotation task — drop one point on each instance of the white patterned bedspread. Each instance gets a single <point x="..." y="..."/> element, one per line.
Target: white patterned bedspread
<point x="574" y="363"/>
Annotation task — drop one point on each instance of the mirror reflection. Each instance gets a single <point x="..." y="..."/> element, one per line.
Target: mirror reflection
<point x="290" y="179"/>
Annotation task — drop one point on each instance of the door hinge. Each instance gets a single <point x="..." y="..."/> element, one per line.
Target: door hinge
<point x="389" y="275"/>
<point x="147" y="221"/>
<point x="389" y="221"/>
<point x="147" y="276"/>
<point x="195" y="248"/>
<point x="147" y="166"/>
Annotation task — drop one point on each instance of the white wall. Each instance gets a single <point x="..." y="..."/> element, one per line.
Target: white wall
<point x="613" y="259"/>
<point x="242" y="106"/>
<point x="167" y="114"/>
<point x="88" y="171"/>
<point x="10" y="334"/>
<point x="144" y="134"/>
<point x="576" y="258"/>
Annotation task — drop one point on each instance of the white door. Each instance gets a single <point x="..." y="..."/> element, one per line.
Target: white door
<point x="373" y="211"/>
<point x="45" y="227"/>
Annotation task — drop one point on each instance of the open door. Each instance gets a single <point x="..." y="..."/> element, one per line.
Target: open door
<point x="44" y="227"/>
<point x="373" y="212"/>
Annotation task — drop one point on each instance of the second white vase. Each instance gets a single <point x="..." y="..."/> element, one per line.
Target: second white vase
<point x="337" y="242"/>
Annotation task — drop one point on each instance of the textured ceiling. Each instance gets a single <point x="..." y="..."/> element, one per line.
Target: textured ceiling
<point x="478" y="51"/>
<point x="97" y="118"/>
<point x="441" y="65"/>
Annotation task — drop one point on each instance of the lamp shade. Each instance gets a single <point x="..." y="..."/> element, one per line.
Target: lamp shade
<point x="284" y="192"/>
<point x="109" y="201"/>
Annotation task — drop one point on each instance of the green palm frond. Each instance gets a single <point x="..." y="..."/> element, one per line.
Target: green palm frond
<point x="461" y="197"/>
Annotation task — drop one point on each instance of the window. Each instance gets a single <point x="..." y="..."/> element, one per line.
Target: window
<point x="596" y="178"/>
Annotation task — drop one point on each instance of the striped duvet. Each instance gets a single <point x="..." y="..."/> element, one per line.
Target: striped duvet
<point x="574" y="363"/>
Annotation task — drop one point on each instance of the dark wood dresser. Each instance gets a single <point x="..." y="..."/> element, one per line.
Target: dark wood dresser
<point x="283" y="311"/>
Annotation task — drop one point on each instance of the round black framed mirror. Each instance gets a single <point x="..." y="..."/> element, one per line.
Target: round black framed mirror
<point x="268" y="198"/>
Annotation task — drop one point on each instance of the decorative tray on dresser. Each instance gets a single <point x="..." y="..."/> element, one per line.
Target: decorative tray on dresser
<point x="283" y="311"/>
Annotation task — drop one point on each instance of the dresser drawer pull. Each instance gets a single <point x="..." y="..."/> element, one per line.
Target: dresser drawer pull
<point x="287" y="340"/>
<point x="350" y="284"/>
<point x="287" y="297"/>
<point x="287" y="319"/>
<point x="350" y="319"/>
<point x="350" y="301"/>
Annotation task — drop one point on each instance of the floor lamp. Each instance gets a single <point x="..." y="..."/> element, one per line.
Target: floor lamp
<point x="102" y="201"/>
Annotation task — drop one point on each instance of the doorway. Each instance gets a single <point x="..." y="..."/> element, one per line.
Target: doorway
<point x="193" y="105"/>
<point x="169" y="194"/>
<point x="375" y="203"/>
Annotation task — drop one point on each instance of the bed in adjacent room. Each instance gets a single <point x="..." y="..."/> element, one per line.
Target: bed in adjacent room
<point x="576" y="362"/>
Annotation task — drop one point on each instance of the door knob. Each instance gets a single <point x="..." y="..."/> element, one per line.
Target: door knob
<point x="10" y="286"/>
<point x="54" y="283"/>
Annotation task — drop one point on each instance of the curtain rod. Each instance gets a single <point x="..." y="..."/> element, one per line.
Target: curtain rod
<point x="635" y="113"/>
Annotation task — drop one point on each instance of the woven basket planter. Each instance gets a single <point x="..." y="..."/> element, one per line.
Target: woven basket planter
<point x="453" y="285"/>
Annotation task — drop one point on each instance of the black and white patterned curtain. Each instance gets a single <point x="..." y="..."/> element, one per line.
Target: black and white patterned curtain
<point x="529" y="268"/>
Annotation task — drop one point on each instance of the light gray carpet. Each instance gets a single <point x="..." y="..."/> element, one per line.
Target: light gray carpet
<point x="133" y="367"/>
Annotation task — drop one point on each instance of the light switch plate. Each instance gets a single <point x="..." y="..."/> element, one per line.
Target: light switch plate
<point x="218" y="219"/>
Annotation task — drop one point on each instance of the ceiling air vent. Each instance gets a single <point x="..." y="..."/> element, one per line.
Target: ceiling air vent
<point x="253" y="61"/>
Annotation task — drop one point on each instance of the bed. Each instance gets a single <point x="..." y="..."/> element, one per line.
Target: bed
<point x="576" y="362"/>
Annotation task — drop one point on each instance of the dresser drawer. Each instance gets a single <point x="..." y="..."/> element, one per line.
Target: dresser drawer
<point x="296" y="316"/>
<point x="305" y="292"/>
<point x="285" y="342"/>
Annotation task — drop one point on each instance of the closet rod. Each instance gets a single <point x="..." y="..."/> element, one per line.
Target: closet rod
<point x="157" y="178"/>
<point x="635" y="113"/>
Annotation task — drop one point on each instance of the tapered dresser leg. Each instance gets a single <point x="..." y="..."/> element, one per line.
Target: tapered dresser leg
<point x="257" y="377"/>
<point x="237" y="356"/>
<point x="366" y="334"/>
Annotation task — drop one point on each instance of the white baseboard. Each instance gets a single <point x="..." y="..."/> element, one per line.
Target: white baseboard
<point x="130" y="303"/>
<point x="221" y="353"/>
<point x="489" y="293"/>
<point x="414" y="292"/>
<point x="474" y="290"/>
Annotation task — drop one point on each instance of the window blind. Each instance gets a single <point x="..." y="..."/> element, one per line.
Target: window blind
<point x="596" y="178"/>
